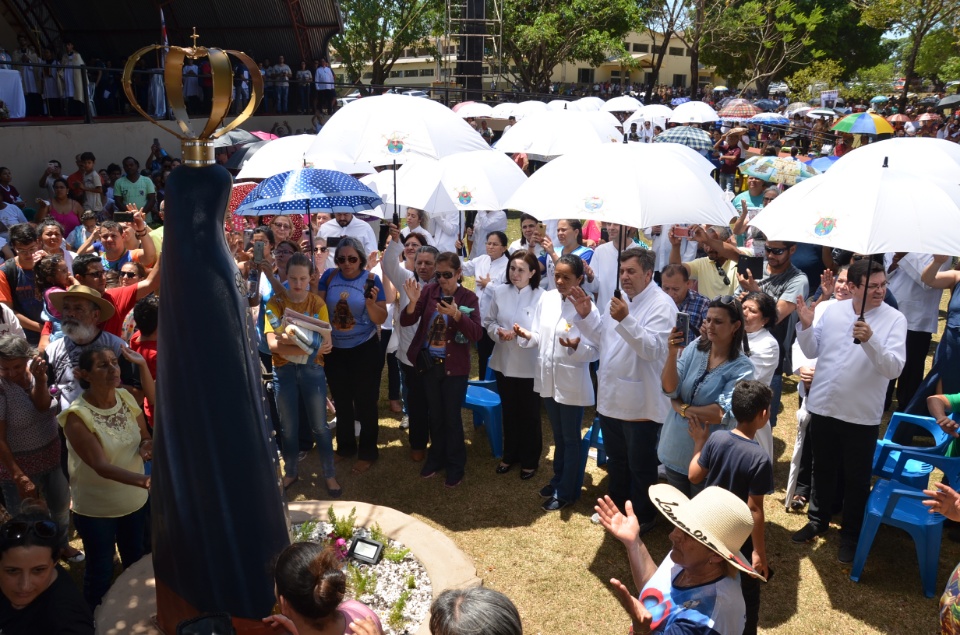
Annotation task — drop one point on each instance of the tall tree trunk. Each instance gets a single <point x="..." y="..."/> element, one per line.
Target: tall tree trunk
<point x="909" y="69"/>
<point x="657" y="64"/>
<point x="694" y="46"/>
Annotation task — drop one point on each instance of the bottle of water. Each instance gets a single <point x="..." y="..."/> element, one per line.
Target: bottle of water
<point x="729" y="194"/>
<point x="274" y="322"/>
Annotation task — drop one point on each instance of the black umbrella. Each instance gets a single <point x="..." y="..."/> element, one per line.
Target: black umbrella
<point x="766" y="105"/>
<point x="928" y="101"/>
<point x="235" y="137"/>
<point x="243" y="153"/>
<point x="949" y="102"/>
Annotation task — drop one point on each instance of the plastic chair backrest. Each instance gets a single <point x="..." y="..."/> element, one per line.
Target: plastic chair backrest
<point x="950" y="466"/>
<point x="940" y="438"/>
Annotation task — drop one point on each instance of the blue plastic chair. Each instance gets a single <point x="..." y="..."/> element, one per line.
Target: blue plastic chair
<point x="914" y="473"/>
<point x="593" y="438"/>
<point x="485" y="405"/>
<point x="893" y="503"/>
<point x="489" y="381"/>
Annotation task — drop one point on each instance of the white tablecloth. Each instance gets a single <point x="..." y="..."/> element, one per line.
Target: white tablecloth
<point x="11" y="92"/>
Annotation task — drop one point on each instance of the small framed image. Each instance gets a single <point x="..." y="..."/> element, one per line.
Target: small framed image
<point x="365" y="550"/>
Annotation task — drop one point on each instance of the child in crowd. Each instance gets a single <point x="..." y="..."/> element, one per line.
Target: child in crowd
<point x="52" y="275"/>
<point x="733" y="460"/>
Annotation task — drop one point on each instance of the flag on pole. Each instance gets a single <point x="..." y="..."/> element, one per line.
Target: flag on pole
<point x="163" y="32"/>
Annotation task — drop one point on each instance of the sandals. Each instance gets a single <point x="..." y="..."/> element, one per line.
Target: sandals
<point x="361" y="466"/>
<point x="798" y="503"/>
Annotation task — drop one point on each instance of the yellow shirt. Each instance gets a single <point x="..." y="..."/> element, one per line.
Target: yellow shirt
<point x="118" y="433"/>
<point x="313" y="305"/>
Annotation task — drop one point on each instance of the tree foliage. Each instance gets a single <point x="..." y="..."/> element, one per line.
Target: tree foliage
<point x="842" y="37"/>
<point x="757" y="40"/>
<point x="807" y="82"/>
<point x="377" y="31"/>
<point x="937" y="47"/>
<point x="664" y="20"/>
<point x="539" y="35"/>
<point x="869" y="82"/>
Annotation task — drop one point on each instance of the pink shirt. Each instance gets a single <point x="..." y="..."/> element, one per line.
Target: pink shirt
<point x="354" y="612"/>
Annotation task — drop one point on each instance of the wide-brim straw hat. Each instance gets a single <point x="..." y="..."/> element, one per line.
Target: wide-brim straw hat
<point x="85" y="293"/>
<point x="715" y="518"/>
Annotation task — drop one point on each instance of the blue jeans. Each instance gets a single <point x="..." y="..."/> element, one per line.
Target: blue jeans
<point x="289" y="382"/>
<point x="282" y="93"/>
<point x="52" y="486"/>
<point x="99" y="535"/>
<point x="567" y="422"/>
<point x="728" y="179"/>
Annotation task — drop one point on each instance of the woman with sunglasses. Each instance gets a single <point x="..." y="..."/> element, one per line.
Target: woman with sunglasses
<point x="699" y="377"/>
<point x="107" y="444"/>
<point x="449" y="321"/>
<point x="357" y="306"/>
<point x="36" y="594"/>
<point x="563" y="378"/>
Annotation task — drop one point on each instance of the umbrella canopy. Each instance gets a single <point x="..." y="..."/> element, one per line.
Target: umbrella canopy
<point x="939" y="158"/>
<point x="477" y="180"/>
<point x="676" y="101"/>
<point x="694" y="112"/>
<point x="951" y="101"/>
<point x="235" y="137"/>
<point x="551" y="134"/>
<point x="389" y="128"/>
<point x="503" y="111"/>
<point x="822" y="164"/>
<point x="720" y="89"/>
<point x="559" y="104"/>
<point x="738" y="110"/>
<point x="769" y="119"/>
<point x="767" y="105"/>
<point x="868" y="218"/>
<point x="279" y="155"/>
<point x="863" y="123"/>
<point x="929" y="116"/>
<point x="929" y="101"/>
<point x="689" y="136"/>
<point x="527" y="108"/>
<point x="587" y="104"/>
<point x="309" y="190"/>
<point x="898" y="118"/>
<point x="821" y="113"/>
<point x="879" y="99"/>
<point x="265" y="136"/>
<point x="782" y="170"/>
<point x="623" y="103"/>
<point x="654" y="113"/>
<point x="793" y="107"/>
<point x="634" y="185"/>
<point x="243" y="154"/>
<point x="472" y="109"/>
<point x="238" y="192"/>
<point x="338" y="163"/>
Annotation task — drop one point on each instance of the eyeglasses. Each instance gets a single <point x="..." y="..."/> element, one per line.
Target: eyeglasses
<point x="776" y="251"/>
<point x="723" y="274"/>
<point x="129" y="274"/>
<point x="729" y="300"/>
<point x="94" y="274"/>
<point x="28" y="250"/>
<point x="444" y="275"/>
<point x="351" y="259"/>
<point x="18" y="529"/>
<point x="874" y="287"/>
<point x="282" y="252"/>
<point x="320" y="250"/>
<point x="767" y="199"/>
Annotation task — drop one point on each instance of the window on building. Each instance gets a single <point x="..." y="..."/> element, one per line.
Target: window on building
<point x="641" y="48"/>
<point x="676" y="51"/>
<point x="396" y="74"/>
<point x="410" y="73"/>
<point x="614" y="74"/>
<point x="680" y="80"/>
<point x="584" y="75"/>
<point x="485" y="70"/>
<point x="426" y="72"/>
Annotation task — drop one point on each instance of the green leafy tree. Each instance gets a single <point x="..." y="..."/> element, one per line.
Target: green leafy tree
<point x="758" y="40"/>
<point x="915" y="19"/>
<point x="539" y="35"/>
<point x="842" y="37"/>
<point x="810" y="80"/>
<point x="377" y="31"/>
<point x="868" y="82"/>
<point x="950" y="71"/>
<point x="940" y="45"/>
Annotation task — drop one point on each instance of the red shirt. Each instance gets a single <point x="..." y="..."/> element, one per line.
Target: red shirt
<point x="149" y="351"/>
<point x="122" y="299"/>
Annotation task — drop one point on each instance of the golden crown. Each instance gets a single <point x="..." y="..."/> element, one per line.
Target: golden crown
<point x="198" y="148"/>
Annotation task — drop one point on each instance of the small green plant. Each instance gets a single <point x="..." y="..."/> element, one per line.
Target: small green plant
<point x="376" y="533"/>
<point x="342" y="527"/>
<point x="304" y="533"/>
<point x="395" y="555"/>
<point x="411" y="582"/>
<point x="395" y="619"/>
<point x="362" y="583"/>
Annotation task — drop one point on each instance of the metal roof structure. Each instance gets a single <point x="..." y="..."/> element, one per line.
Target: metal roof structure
<point x="296" y="29"/>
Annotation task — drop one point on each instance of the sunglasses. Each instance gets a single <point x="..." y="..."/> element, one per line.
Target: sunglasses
<point x="767" y="199"/>
<point x="320" y="250"/>
<point x="18" y="529"/>
<point x="776" y="251"/>
<point x="351" y="259"/>
<point x="729" y="300"/>
<point x="444" y="275"/>
<point x="128" y="274"/>
<point x="723" y="274"/>
<point x="95" y="274"/>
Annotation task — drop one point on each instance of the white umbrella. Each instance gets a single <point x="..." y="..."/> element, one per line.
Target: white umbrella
<point x="559" y="104"/>
<point x="623" y="103"/>
<point x="821" y="113"/>
<point x="551" y="134"/>
<point x="503" y="111"/>
<point x="602" y="117"/>
<point x="868" y="208"/>
<point x="694" y="112"/>
<point x="656" y="114"/>
<point x="278" y="155"/>
<point x="940" y="158"/>
<point x="473" y="109"/>
<point x="587" y="104"/>
<point x="477" y="180"/>
<point x="527" y="108"/>
<point x="338" y="162"/>
<point x="638" y="185"/>
<point x="390" y="128"/>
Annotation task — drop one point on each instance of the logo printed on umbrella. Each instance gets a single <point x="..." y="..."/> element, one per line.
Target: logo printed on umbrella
<point x="825" y="226"/>
<point x="464" y="194"/>
<point x="593" y="203"/>
<point x="395" y="142"/>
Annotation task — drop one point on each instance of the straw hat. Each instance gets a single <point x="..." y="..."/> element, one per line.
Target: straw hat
<point x="86" y="293"/>
<point x="715" y="517"/>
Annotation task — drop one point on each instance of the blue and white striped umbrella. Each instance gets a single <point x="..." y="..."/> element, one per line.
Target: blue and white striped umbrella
<point x="309" y="190"/>
<point x="676" y="101"/>
<point x="769" y="119"/>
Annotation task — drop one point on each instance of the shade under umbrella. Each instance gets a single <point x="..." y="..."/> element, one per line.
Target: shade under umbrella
<point x="243" y="154"/>
<point x="630" y="184"/>
<point x="694" y="138"/>
<point x="694" y="112"/>
<point x="308" y="190"/>
<point x="623" y="103"/>
<point x="389" y="128"/>
<point x="279" y="155"/>
<point x="552" y="134"/>
<point x="477" y="180"/>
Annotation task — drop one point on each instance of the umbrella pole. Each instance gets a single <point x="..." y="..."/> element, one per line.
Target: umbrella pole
<point x="310" y="237"/>
<point x="863" y="304"/>
<point x="616" y="292"/>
